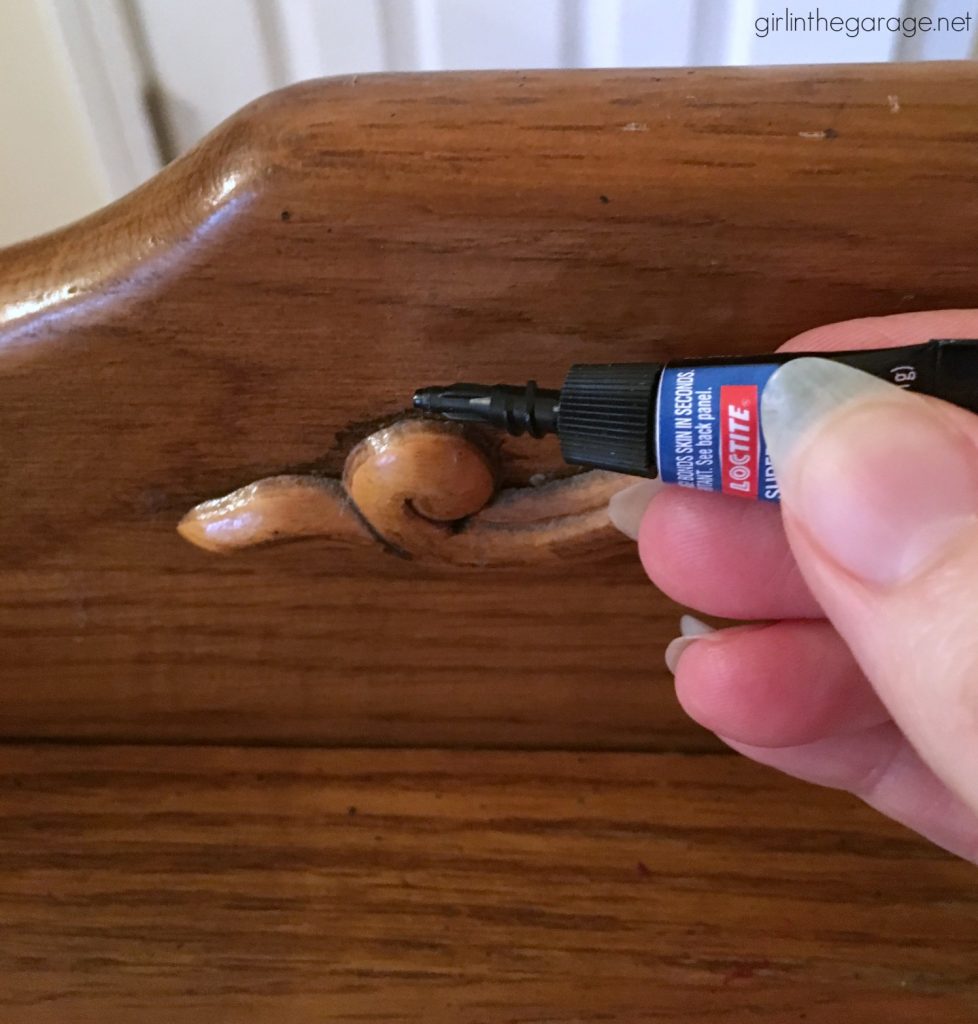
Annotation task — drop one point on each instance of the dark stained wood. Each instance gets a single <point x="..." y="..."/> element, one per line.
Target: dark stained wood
<point x="169" y="886"/>
<point x="275" y="296"/>
<point x="255" y="312"/>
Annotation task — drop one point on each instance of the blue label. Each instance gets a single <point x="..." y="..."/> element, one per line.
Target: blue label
<point x="709" y="429"/>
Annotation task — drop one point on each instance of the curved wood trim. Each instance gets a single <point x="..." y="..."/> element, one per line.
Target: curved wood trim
<point x="423" y="490"/>
<point x="137" y="239"/>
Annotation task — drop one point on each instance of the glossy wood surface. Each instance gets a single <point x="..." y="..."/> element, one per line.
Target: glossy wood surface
<point x="250" y="317"/>
<point x="184" y="885"/>
<point x="274" y="297"/>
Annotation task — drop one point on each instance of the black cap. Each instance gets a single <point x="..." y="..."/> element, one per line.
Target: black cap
<point x="607" y="416"/>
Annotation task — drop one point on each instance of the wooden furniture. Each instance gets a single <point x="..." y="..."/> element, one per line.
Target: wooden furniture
<point x="259" y="314"/>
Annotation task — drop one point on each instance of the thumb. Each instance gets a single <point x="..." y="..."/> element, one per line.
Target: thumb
<point x="879" y="493"/>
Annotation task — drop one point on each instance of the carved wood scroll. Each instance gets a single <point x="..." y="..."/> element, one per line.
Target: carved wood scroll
<point x="422" y="490"/>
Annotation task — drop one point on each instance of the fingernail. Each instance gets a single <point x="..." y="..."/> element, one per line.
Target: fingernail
<point x="691" y="629"/>
<point x="879" y="478"/>
<point x="626" y="508"/>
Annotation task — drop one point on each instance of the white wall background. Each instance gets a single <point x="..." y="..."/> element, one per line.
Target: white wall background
<point x="96" y="94"/>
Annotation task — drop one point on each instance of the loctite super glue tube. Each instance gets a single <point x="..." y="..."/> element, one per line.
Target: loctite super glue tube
<point x="692" y="422"/>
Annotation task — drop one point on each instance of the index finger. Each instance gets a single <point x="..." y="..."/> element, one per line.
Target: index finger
<point x="886" y="331"/>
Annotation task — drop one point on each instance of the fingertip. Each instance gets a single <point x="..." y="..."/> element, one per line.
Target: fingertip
<point x="667" y="531"/>
<point x="778" y="685"/>
<point x="723" y="556"/>
<point x="628" y="507"/>
<point x="708" y="685"/>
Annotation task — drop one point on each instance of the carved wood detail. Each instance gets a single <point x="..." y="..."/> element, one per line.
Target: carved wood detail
<point x="423" y="490"/>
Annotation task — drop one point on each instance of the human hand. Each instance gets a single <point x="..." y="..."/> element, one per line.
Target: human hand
<point x="867" y="677"/>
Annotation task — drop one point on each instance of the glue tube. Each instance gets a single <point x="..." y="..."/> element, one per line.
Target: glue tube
<point x="692" y="422"/>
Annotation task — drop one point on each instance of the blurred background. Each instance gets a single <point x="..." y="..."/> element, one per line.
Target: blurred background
<point x="96" y="95"/>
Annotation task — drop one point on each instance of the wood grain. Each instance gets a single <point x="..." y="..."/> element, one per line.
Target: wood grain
<point x="167" y="885"/>
<point x="276" y="295"/>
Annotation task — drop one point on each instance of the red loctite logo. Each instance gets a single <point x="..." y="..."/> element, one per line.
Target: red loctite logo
<point x="739" y="449"/>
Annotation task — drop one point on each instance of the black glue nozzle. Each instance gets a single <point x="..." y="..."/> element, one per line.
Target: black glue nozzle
<point x="528" y="410"/>
<point x="604" y="414"/>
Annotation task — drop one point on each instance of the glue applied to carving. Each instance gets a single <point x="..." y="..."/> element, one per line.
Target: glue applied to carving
<point x="421" y="490"/>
